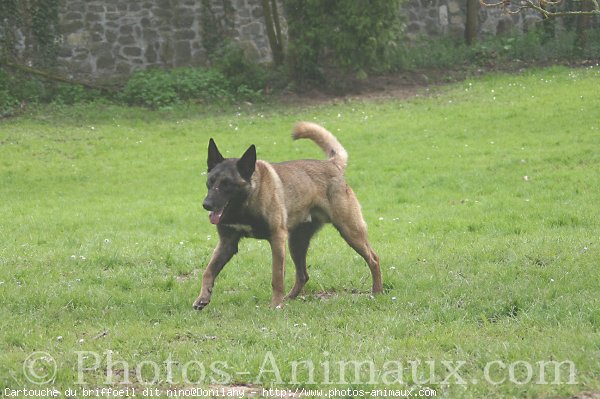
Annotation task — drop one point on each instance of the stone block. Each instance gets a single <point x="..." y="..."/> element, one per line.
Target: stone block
<point x="123" y="68"/>
<point x="126" y="40"/>
<point x="97" y="37"/>
<point x="78" y="6"/>
<point x="132" y="51"/>
<point x="97" y="8"/>
<point x="252" y="29"/>
<point x="453" y="7"/>
<point x="182" y="53"/>
<point x="187" y="34"/>
<point x="150" y="54"/>
<point x="71" y="27"/>
<point x="100" y="48"/>
<point x="162" y="13"/>
<point x="65" y="52"/>
<point x="125" y="29"/>
<point x="77" y="39"/>
<point x="183" y="21"/>
<point x="97" y="28"/>
<point x="73" y="16"/>
<point x="443" y="15"/>
<point x="457" y="20"/>
<point x="93" y="17"/>
<point x="111" y="36"/>
<point x="150" y="35"/>
<point x="105" y="61"/>
<point x="81" y="68"/>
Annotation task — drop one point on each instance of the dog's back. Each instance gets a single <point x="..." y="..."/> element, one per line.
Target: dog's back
<point x="308" y="183"/>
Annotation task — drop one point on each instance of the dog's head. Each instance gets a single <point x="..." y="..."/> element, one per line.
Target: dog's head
<point x="229" y="180"/>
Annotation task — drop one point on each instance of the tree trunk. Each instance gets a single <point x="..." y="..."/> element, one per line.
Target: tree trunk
<point x="273" y="32"/>
<point x="583" y="25"/>
<point x="471" y="23"/>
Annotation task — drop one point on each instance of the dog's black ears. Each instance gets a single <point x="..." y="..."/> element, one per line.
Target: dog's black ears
<point x="247" y="163"/>
<point x="214" y="156"/>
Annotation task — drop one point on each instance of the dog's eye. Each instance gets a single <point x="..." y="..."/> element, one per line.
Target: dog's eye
<point x="225" y="184"/>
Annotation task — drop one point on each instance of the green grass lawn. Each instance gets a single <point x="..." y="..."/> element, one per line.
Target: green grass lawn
<point x="482" y="201"/>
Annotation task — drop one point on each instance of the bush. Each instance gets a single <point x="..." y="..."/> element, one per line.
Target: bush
<point x="149" y="88"/>
<point x="64" y="93"/>
<point x="8" y="102"/>
<point x="348" y="36"/>
<point x="232" y="61"/>
<point x="157" y="88"/>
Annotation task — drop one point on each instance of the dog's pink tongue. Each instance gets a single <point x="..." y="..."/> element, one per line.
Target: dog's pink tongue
<point x="215" y="217"/>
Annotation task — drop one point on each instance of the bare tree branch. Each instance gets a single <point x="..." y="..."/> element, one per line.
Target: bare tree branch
<point x="541" y="6"/>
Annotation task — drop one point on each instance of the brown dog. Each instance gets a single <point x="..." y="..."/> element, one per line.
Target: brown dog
<point x="250" y="198"/>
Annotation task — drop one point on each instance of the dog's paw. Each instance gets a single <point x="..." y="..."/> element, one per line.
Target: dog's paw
<point x="277" y="304"/>
<point x="200" y="304"/>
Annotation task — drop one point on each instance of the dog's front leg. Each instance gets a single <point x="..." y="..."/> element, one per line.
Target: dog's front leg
<point x="226" y="248"/>
<point x="277" y="242"/>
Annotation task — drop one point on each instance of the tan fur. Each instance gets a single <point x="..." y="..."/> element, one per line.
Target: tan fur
<point x="294" y="199"/>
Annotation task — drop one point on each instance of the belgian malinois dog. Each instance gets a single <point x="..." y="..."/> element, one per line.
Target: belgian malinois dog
<point x="278" y="201"/>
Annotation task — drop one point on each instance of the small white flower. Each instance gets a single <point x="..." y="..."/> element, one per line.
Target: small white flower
<point x="380" y="218"/>
<point x="81" y="341"/>
<point x="106" y="241"/>
<point x="394" y="298"/>
<point x="82" y="257"/>
<point x="59" y="338"/>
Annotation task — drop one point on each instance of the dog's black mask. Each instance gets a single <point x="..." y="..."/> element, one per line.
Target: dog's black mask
<point x="229" y="180"/>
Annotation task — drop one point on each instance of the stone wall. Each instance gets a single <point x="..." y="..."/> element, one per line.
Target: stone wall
<point x="447" y="17"/>
<point x="111" y="38"/>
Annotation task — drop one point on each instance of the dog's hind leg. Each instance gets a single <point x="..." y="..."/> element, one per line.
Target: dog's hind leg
<point x="277" y="242"/>
<point x="298" y="242"/>
<point x="226" y="248"/>
<point x="347" y="219"/>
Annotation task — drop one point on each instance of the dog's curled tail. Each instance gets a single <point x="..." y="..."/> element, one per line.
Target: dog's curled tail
<point x="324" y="139"/>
